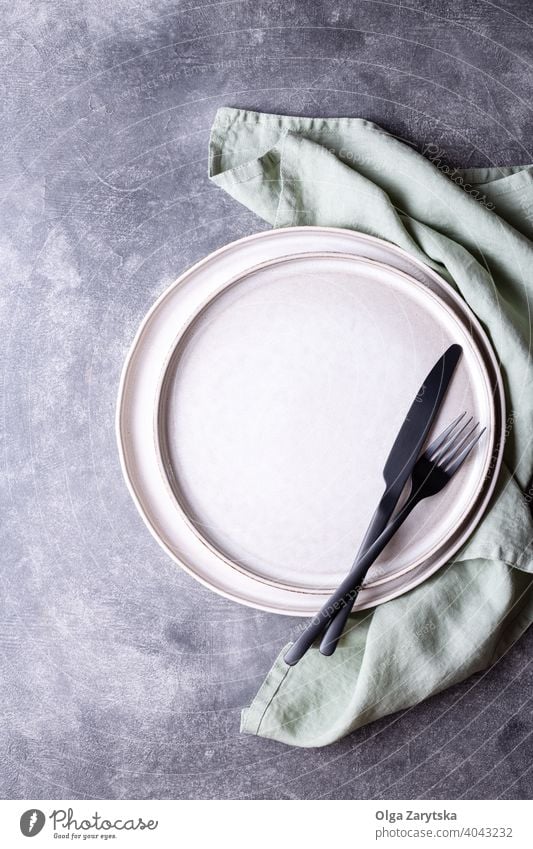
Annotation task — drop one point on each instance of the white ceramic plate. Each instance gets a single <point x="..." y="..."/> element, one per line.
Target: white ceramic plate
<point x="260" y="400"/>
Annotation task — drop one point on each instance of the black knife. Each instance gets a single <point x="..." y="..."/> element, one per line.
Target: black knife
<point x="398" y="468"/>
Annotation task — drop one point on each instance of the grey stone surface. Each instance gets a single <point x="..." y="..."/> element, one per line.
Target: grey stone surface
<point x="112" y="687"/>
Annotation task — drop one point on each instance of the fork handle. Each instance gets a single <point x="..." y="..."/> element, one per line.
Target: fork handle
<point x="348" y="590"/>
<point x="333" y="631"/>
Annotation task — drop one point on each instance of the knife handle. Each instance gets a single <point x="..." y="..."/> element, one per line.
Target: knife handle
<point x="346" y="593"/>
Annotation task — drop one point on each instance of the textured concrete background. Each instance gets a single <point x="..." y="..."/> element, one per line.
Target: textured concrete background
<point x="112" y="687"/>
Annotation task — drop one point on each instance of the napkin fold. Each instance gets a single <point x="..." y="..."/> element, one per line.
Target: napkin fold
<point x="475" y="227"/>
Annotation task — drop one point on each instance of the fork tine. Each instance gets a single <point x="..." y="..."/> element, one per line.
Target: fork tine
<point x="430" y="450"/>
<point x="457" y="445"/>
<point x="451" y="442"/>
<point x="459" y="460"/>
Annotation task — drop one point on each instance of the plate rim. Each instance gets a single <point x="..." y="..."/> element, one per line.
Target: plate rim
<point x="463" y="306"/>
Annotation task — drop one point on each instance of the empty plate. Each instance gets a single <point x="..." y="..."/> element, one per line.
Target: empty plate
<point x="262" y="396"/>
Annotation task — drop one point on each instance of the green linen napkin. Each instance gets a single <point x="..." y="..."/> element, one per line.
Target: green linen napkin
<point x="476" y="229"/>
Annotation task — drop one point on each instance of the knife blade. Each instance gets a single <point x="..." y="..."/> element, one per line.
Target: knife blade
<point x="397" y="470"/>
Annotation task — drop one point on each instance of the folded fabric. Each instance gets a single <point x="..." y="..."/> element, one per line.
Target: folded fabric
<point x="475" y="228"/>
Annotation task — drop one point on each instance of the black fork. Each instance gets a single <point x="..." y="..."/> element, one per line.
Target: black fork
<point x="432" y="471"/>
<point x="334" y="630"/>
